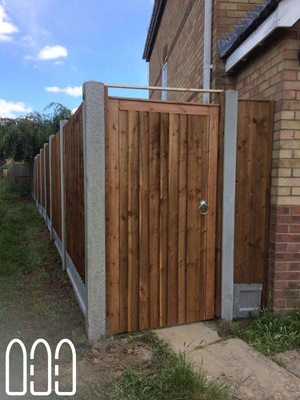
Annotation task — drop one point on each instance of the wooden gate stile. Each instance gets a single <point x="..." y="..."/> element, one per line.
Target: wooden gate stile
<point x="161" y="160"/>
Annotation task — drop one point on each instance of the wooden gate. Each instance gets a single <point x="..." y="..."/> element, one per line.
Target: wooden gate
<point x="161" y="160"/>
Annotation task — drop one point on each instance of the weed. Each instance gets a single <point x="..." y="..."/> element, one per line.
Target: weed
<point x="270" y="333"/>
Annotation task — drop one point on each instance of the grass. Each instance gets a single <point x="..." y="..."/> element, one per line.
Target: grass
<point x="36" y="298"/>
<point x="270" y="333"/>
<point x="166" y="376"/>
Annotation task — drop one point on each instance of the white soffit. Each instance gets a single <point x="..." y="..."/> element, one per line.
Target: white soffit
<point x="285" y="16"/>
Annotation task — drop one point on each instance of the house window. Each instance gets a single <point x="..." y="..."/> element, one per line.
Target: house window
<point x="165" y="79"/>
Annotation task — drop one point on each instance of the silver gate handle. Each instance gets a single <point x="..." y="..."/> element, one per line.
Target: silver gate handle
<point x="203" y="207"/>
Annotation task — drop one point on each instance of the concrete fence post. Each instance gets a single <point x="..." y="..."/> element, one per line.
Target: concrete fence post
<point x="50" y="185"/>
<point x="229" y="177"/>
<point x="45" y="183"/>
<point x="94" y="208"/>
<point x="62" y="123"/>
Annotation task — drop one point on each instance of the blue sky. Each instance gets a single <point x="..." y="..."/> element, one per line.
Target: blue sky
<point x="48" y="48"/>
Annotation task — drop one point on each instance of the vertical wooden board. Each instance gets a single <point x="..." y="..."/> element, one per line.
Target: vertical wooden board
<point x="260" y="198"/>
<point x="182" y="220"/>
<point x="43" y="177"/>
<point x="80" y="238"/>
<point x="173" y="178"/>
<point x="247" y="125"/>
<point x="154" y="212"/>
<point x="211" y="161"/>
<point x="133" y="220"/>
<point x="241" y="196"/>
<point x="123" y="142"/>
<point x="249" y="221"/>
<point x="112" y="214"/>
<point x="48" y="179"/>
<point x="34" y="175"/>
<point x="268" y="202"/>
<point x="40" y="179"/>
<point x="144" y="311"/>
<point x="163" y="245"/>
<point x="37" y="179"/>
<point x="193" y="223"/>
<point x="219" y="206"/>
<point x="67" y="179"/>
<point x="206" y="185"/>
<point x="57" y="197"/>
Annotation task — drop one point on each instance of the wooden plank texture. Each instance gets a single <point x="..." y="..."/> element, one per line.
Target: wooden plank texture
<point x="252" y="191"/>
<point x="42" y="174"/>
<point x="112" y="212"/>
<point x="144" y="307"/>
<point x="47" y="179"/>
<point x="56" y="188"/>
<point x="154" y="216"/>
<point x="161" y="159"/>
<point x="74" y="191"/>
<point x="133" y="221"/>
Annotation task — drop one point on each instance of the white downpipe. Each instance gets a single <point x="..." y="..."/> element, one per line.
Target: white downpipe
<point x="207" y="66"/>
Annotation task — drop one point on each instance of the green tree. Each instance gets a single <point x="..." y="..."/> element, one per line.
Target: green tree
<point x="22" y="138"/>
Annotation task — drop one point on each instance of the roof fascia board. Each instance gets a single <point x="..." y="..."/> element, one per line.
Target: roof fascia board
<point x="285" y="16"/>
<point x="157" y="12"/>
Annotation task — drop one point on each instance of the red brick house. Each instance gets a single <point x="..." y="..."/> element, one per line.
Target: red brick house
<point x="252" y="46"/>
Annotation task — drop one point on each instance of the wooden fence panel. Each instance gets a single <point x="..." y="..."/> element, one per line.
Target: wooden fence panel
<point x="35" y="172"/>
<point x="56" y="188"/>
<point x="74" y="191"/>
<point x="42" y="178"/>
<point x="38" y="189"/>
<point x="254" y="147"/>
<point x="47" y="166"/>
<point x="160" y="161"/>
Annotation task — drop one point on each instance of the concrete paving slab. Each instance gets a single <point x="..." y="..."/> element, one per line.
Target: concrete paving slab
<point x="188" y="337"/>
<point x="257" y="376"/>
<point x="290" y="360"/>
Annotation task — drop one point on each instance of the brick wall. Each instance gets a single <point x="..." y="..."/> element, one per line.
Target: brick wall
<point x="180" y="33"/>
<point x="180" y="37"/>
<point x="284" y="257"/>
<point x="226" y="14"/>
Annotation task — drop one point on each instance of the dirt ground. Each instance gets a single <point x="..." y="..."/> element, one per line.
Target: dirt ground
<point x="48" y="309"/>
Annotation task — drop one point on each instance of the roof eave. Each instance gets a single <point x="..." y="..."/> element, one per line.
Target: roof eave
<point x="156" y="17"/>
<point x="227" y="47"/>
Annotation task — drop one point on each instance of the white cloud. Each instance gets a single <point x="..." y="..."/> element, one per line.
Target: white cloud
<point x="75" y="91"/>
<point x="7" y="28"/>
<point x="58" y="62"/>
<point x="9" y="109"/>
<point x="52" y="52"/>
<point x="74" y="110"/>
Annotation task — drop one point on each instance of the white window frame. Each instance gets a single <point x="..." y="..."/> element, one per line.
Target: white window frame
<point x="164" y="94"/>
